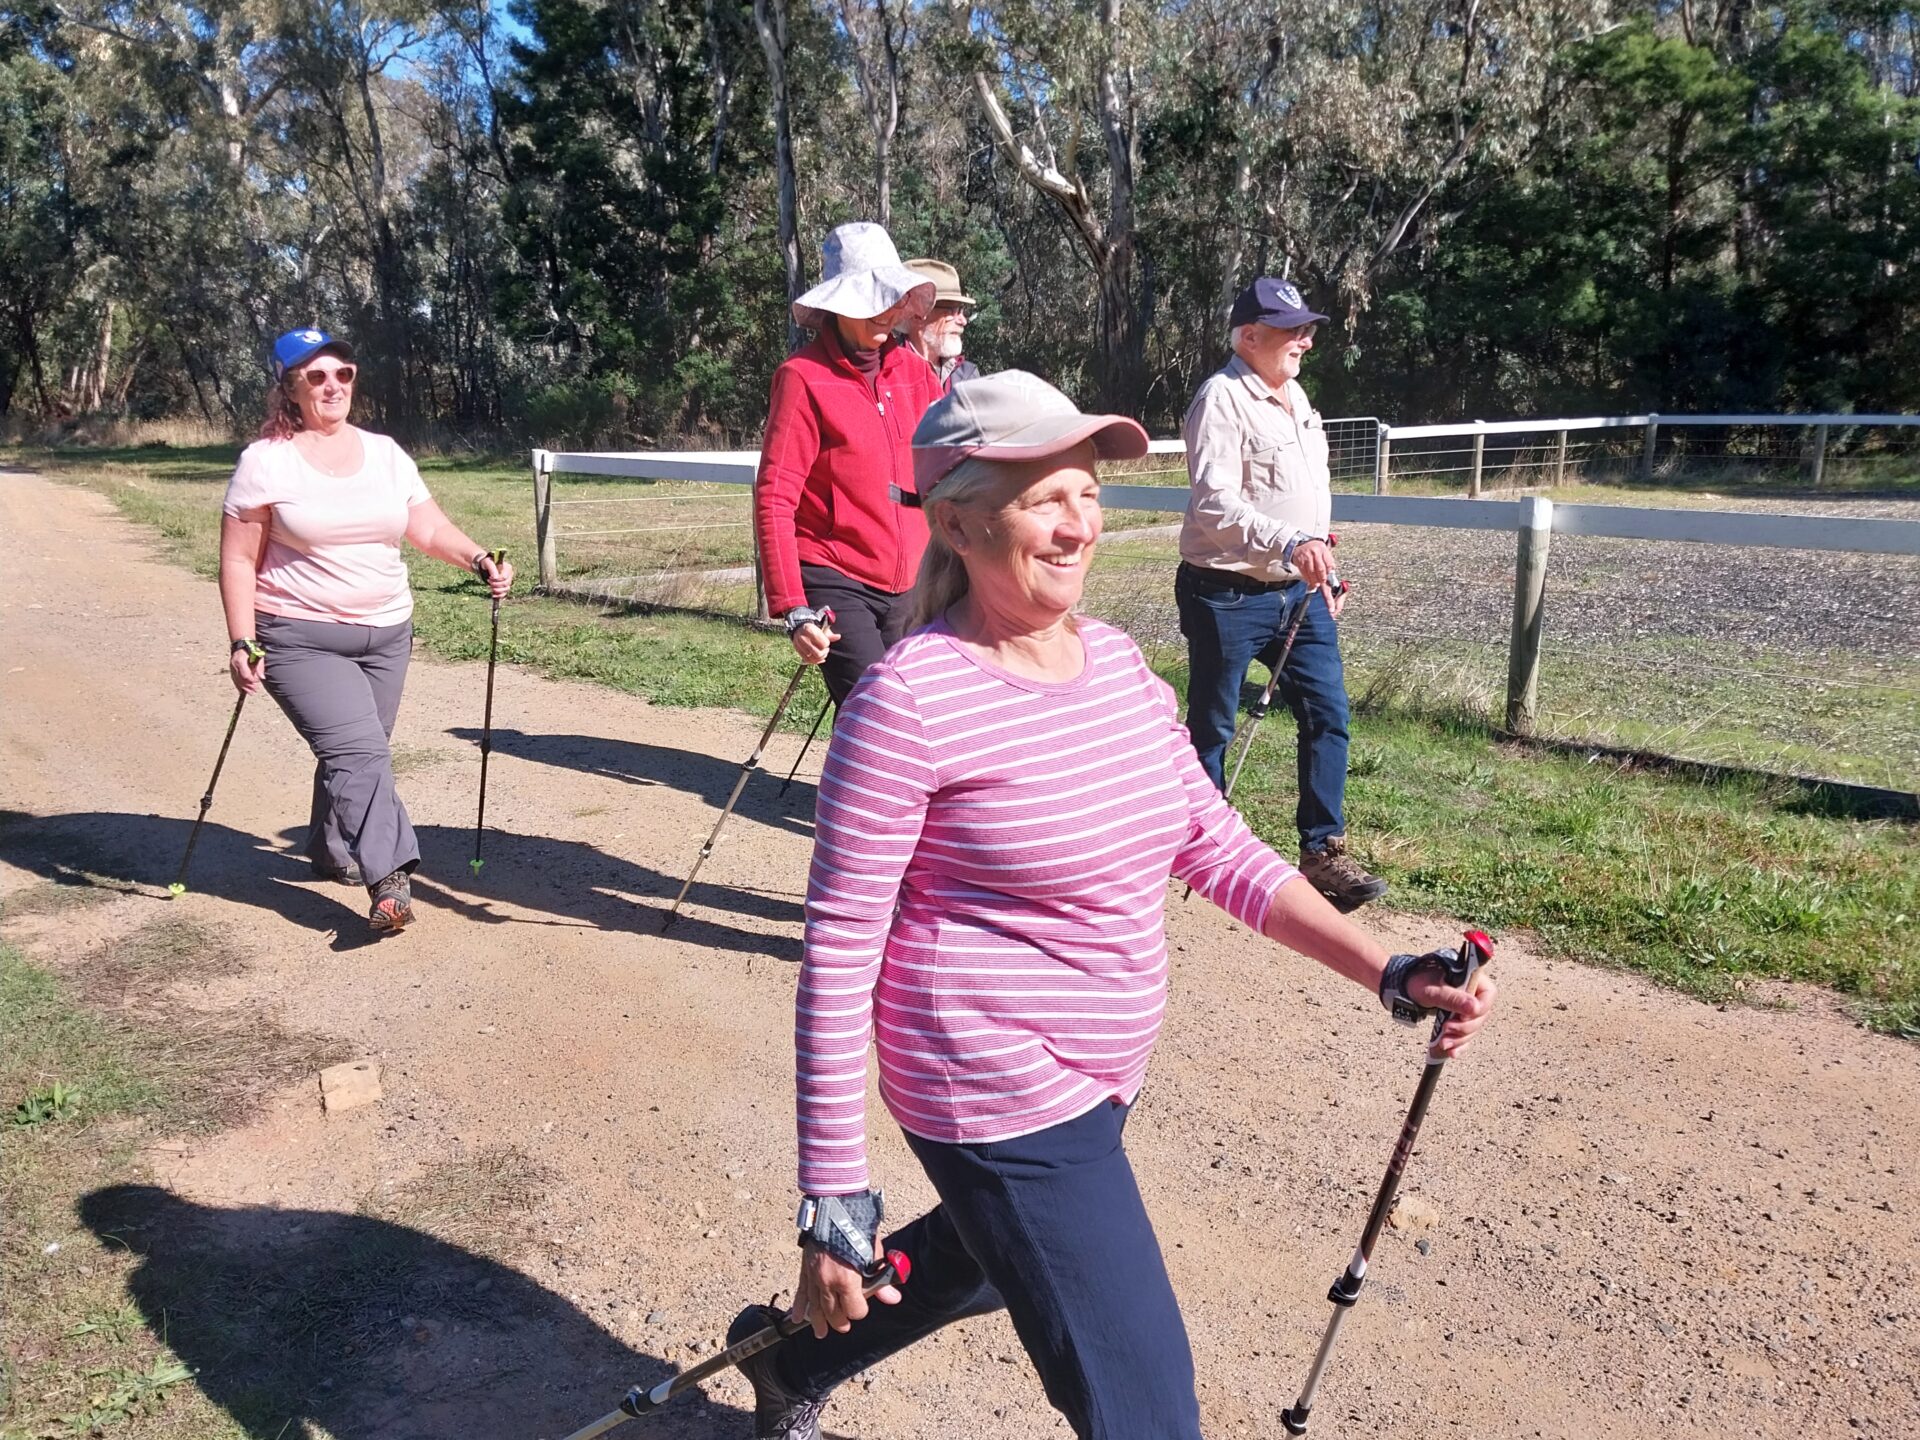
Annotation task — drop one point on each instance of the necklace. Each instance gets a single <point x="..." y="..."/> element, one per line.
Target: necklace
<point x="326" y="464"/>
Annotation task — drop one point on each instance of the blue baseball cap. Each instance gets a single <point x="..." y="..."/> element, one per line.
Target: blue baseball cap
<point x="296" y="347"/>
<point x="1268" y="301"/>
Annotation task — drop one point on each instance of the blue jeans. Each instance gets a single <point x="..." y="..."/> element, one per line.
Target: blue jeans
<point x="1051" y="1226"/>
<point x="1227" y="630"/>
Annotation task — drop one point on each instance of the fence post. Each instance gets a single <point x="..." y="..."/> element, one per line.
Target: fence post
<point x="543" y="517"/>
<point x="1817" y="461"/>
<point x="1646" y="455"/>
<point x="1560" y="460"/>
<point x="1479" y="455"/>
<point x="1529" y="591"/>
<point x="1382" y="460"/>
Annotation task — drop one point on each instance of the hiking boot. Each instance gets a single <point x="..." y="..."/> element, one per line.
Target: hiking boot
<point x="349" y="876"/>
<point x="1339" y="877"/>
<point x="778" y="1414"/>
<point x="392" y="903"/>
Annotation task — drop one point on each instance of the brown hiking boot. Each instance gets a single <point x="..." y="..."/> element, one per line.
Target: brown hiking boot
<point x="392" y="903"/>
<point x="1339" y="877"/>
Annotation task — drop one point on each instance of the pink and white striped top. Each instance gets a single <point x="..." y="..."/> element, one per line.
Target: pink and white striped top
<point x="987" y="894"/>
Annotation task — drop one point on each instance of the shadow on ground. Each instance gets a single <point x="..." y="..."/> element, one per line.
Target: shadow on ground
<point x="306" y="1323"/>
<point x="711" y="778"/>
<point x="572" y="883"/>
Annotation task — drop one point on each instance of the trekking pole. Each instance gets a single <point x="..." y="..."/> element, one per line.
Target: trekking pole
<point x="746" y="773"/>
<point x="1265" y="702"/>
<point x="1261" y="706"/>
<point x="486" y="725"/>
<point x="891" y="1271"/>
<point x="255" y="654"/>
<point x="825" y="706"/>
<point x="1476" y="951"/>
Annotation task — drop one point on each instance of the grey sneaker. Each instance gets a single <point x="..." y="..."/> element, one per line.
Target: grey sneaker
<point x="392" y="903"/>
<point x="349" y="876"/>
<point x="1339" y="877"/>
<point x="777" y="1413"/>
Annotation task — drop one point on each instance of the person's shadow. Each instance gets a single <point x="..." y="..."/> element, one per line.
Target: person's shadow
<point x="573" y="883"/>
<point x="308" y="1323"/>
<point x="767" y="799"/>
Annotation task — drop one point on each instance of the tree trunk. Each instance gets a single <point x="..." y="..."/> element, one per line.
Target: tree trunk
<point x="770" y="20"/>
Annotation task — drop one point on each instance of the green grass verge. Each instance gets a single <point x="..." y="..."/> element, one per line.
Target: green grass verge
<point x="79" y="1359"/>
<point x="1706" y="884"/>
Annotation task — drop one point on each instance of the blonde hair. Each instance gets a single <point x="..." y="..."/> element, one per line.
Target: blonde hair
<point x="942" y="582"/>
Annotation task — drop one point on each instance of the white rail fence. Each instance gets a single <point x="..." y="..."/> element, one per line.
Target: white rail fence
<point x="1534" y="520"/>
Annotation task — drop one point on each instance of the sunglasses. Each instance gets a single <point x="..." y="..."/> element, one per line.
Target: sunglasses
<point x="318" y="377"/>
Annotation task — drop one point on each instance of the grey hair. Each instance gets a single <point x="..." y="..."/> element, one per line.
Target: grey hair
<point x="942" y="582"/>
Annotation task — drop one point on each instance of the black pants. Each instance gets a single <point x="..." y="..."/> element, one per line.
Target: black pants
<point x="1051" y="1226"/>
<point x="869" y="622"/>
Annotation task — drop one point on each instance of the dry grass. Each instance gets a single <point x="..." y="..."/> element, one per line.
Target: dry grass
<point x="474" y="1203"/>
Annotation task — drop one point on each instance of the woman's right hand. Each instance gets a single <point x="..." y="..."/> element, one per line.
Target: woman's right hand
<point x="246" y="673"/>
<point x="828" y="1293"/>
<point x="811" y="643"/>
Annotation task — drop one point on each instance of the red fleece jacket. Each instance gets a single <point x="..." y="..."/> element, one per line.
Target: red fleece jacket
<point x="835" y="443"/>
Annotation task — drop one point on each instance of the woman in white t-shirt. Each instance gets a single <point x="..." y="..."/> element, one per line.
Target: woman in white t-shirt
<point x="311" y="571"/>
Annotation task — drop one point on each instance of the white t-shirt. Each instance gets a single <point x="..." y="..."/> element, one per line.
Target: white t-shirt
<point x="333" y="542"/>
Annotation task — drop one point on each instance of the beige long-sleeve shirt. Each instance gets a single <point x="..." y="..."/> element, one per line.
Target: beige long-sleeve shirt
<point x="1259" y="475"/>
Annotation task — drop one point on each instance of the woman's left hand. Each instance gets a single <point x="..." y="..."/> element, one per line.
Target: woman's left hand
<point x="1468" y="1012"/>
<point x="499" y="577"/>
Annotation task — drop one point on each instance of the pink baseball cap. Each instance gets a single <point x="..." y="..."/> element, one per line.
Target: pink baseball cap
<point x="1012" y="416"/>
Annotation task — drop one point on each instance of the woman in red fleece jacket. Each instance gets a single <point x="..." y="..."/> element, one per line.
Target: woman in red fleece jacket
<point x="837" y="448"/>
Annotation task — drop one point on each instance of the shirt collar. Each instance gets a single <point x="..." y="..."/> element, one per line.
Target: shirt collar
<point x="1246" y="375"/>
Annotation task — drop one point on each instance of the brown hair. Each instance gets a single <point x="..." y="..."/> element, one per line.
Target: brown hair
<point x="283" y="419"/>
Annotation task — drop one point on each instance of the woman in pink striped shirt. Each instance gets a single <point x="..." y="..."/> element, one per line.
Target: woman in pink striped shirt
<point x="1006" y="796"/>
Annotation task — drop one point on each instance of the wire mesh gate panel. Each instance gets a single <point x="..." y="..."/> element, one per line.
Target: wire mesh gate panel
<point x="636" y="529"/>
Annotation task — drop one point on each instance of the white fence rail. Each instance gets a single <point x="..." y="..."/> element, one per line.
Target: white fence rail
<point x="1534" y="520"/>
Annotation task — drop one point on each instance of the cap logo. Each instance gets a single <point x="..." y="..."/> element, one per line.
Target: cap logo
<point x="1288" y="295"/>
<point x="311" y="337"/>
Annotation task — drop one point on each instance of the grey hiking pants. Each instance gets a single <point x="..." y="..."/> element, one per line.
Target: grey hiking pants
<point x="340" y="686"/>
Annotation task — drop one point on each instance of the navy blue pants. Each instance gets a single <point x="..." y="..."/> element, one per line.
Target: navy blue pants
<point x="1052" y="1227"/>
<point x="1226" y="631"/>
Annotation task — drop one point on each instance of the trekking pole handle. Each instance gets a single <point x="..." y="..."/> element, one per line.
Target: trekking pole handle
<point x="893" y="1269"/>
<point x="1465" y="972"/>
<point x="256" y="652"/>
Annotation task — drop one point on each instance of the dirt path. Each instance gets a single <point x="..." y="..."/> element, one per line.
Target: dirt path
<point x="1655" y="1216"/>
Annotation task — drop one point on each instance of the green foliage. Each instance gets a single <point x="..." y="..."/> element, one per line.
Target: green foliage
<point x="42" y="1107"/>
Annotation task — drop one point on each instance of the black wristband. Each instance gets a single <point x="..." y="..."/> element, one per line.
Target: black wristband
<point x="474" y="564"/>
<point x="250" y="645"/>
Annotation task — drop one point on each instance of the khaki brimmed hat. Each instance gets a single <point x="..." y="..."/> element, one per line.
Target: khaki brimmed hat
<point x="1012" y="416"/>
<point x="861" y="276"/>
<point x="946" y="281"/>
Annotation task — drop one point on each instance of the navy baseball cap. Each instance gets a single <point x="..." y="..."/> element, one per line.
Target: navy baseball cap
<point x="1268" y="301"/>
<point x="296" y="347"/>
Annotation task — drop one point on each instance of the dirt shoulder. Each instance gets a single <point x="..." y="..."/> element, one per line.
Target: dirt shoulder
<point x="1653" y="1214"/>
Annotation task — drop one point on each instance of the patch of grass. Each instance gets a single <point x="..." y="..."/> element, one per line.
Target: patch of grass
<point x="475" y="1203"/>
<point x="1706" y="883"/>
<point x="79" y="1361"/>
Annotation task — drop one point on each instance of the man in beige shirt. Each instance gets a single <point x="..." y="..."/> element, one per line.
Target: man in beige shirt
<point x="939" y="336"/>
<point x="1254" y="553"/>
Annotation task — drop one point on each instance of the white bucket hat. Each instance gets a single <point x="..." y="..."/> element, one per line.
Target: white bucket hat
<point x="861" y="276"/>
